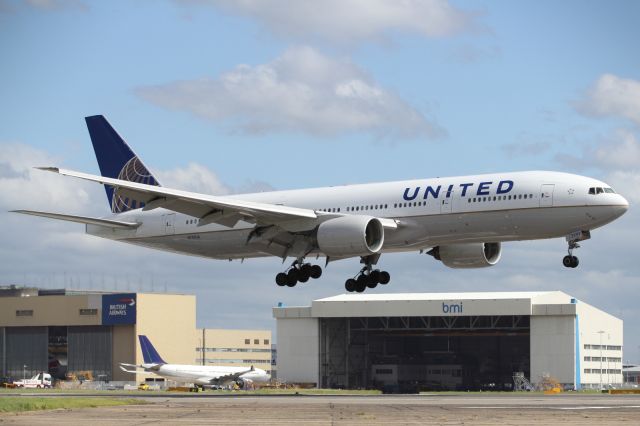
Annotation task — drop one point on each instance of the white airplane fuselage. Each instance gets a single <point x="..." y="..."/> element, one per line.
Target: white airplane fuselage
<point x="202" y="375"/>
<point x="428" y="212"/>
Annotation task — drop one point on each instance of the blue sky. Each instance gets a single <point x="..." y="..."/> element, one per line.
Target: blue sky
<point x="226" y="97"/>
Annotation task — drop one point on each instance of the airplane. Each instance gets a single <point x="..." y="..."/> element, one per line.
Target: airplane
<point x="461" y="221"/>
<point x="202" y="375"/>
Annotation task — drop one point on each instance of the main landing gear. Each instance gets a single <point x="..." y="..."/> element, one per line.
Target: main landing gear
<point x="571" y="261"/>
<point x="298" y="272"/>
<point x="367" y="277"/>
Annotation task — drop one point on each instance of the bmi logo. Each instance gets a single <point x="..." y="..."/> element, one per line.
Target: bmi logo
<point x="452" y="308"/>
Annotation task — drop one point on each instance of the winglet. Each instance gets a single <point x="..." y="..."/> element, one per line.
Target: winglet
<point x="49" y="169"/>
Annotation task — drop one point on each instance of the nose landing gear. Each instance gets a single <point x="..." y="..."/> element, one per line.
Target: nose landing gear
<point x="298" y="272"/>
<point x="571" y="261"/>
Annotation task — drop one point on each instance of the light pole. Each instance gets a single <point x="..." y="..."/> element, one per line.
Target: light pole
<point x="24" y="371"/>
<point x="600" y="333"/>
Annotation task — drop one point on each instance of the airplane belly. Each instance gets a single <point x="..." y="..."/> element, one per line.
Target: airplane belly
<point x="230" y="244"/>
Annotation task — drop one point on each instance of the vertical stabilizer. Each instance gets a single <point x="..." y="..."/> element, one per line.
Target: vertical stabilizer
<point x="149" y="353"/>
<point x="116" y="160"/>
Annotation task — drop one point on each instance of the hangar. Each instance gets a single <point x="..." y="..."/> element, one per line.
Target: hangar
<point x="448" y="341"/>
<point x="69" y="331"/>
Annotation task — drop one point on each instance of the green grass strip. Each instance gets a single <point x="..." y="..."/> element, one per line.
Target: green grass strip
<point x="15" y="404"/>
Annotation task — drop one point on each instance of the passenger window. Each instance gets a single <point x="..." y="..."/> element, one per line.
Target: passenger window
<point x="520" y="196"/>
<point x="469" y="200"/>
<point x="509" y="196"/>
<point x="494" y="198"/>
<point x="385" y="206"/>
<point x="525" y="196"/>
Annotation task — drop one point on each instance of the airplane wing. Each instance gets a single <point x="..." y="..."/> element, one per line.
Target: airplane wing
<point x="81" y="219"/>
<point x="226" y="211"/>
<point x="226" y="378"/>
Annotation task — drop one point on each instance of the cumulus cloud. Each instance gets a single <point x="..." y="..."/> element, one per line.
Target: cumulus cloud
<point x="618" y="152"/>
<point x="300" y="91"/>
<point x="194" y="178"/>
<point x="612" y="96"/>
<point x="350" y="21"/>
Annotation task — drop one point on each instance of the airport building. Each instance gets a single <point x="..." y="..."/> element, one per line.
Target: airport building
<point x="235" y="348"/>
<point x="448" y="341"/>
<point x="71" y="333"/>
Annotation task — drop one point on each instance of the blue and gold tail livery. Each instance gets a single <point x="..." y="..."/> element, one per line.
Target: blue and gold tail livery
<point x="116" y="160"/>
<point x="149" y="353"/>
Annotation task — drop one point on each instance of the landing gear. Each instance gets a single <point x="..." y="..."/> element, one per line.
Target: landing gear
<point x="570" y="261"/>
<point x="298" y="272"/>
<point x="367" y="277"/>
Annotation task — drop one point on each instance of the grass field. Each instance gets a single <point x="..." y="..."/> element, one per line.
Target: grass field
<point x="16" y="404"/>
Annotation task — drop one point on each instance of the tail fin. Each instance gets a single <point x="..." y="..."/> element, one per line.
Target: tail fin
<point x="116" y="160"/>
<point x="149" y="353"/>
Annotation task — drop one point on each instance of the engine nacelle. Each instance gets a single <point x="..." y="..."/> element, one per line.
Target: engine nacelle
<point x="469" y="255"/>
<point x="350" y="236"/>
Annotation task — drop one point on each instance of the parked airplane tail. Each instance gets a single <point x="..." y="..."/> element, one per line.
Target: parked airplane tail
<point x="116" y="160"/>
<point x="149" y="353"/>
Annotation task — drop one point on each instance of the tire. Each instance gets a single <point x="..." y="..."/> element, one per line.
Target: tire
<point x="350" y="285"/>
<point x="384" y="277"/>
<point x="574" y="262"/>
<point x="316" y="271"/>
<point x="371" y="283"/>
<point x="281" y="279"/>
<point x="375" y="276"/>
<point x="360" y="287"/>
<point x="292" y="277"/>
<point x="304" y="274"/>
<point x="566" y="261"/>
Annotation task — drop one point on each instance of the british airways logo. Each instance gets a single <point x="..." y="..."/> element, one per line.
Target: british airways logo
<point x="482" y="188"/>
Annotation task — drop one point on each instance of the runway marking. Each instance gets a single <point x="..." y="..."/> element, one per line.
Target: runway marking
<point x="595" y="407"/>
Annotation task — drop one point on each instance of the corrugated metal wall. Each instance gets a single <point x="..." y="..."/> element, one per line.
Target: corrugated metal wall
<point x="26" y="346"/>
<point x="90" y="349"/>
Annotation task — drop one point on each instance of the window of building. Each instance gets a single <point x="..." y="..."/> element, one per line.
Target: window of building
<point x="88" y="312"/>
<point x="256" y="341"/>
<point x="247" y="341"/>
<point x="24" y="313"/>
<point x="266" y="341"/>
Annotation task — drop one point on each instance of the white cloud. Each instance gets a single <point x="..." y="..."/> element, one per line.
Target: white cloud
<point x="300" y="91"/>
<point x="194" y="178"/>
<point x="612" y="96"/>
<point x="618" y="152"/>
<point x="350" y="21"/>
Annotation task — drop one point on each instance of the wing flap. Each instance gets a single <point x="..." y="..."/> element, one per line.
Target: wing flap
<point x="81" y="219"/>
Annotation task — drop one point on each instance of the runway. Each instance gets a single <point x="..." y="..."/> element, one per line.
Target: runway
<point x="474" y="409"/>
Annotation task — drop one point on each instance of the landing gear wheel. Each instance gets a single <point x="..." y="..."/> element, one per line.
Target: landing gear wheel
<point x="371" y="283"/>
<point x="375" y="276"/>
<point x="316" y="271"/>
<point x="281" y="279"/>
<point x="350" y="285"/>
<point x="384" y="277"/>
<point x="570" y="261"/>
<point x="304" y="273"/>
<point x="361" y="283"/>
<point x="292" y="277"/>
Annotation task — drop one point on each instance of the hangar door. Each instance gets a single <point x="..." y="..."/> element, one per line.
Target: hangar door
<point x="25" y="350"/>
<point x="411" y="354"/>
<point x="90" y="349"/>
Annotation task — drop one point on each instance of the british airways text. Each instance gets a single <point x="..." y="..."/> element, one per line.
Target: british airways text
<point x="483" y="188"/>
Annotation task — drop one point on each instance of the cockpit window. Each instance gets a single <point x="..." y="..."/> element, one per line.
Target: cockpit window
<point x="609" y="191"/>
<point x="592" y="191"/>
<point x="599" y="191"/>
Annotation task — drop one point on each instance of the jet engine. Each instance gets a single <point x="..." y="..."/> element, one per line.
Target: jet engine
<point x="468" y="255"/>
<point x="350" y="236"/>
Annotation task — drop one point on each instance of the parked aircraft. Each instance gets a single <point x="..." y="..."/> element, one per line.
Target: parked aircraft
<point x="203" y="375"/>
<point x="460" y="221"/>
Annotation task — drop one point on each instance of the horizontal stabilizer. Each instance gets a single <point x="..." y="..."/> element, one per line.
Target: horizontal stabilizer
<point x="82" y="219"/>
